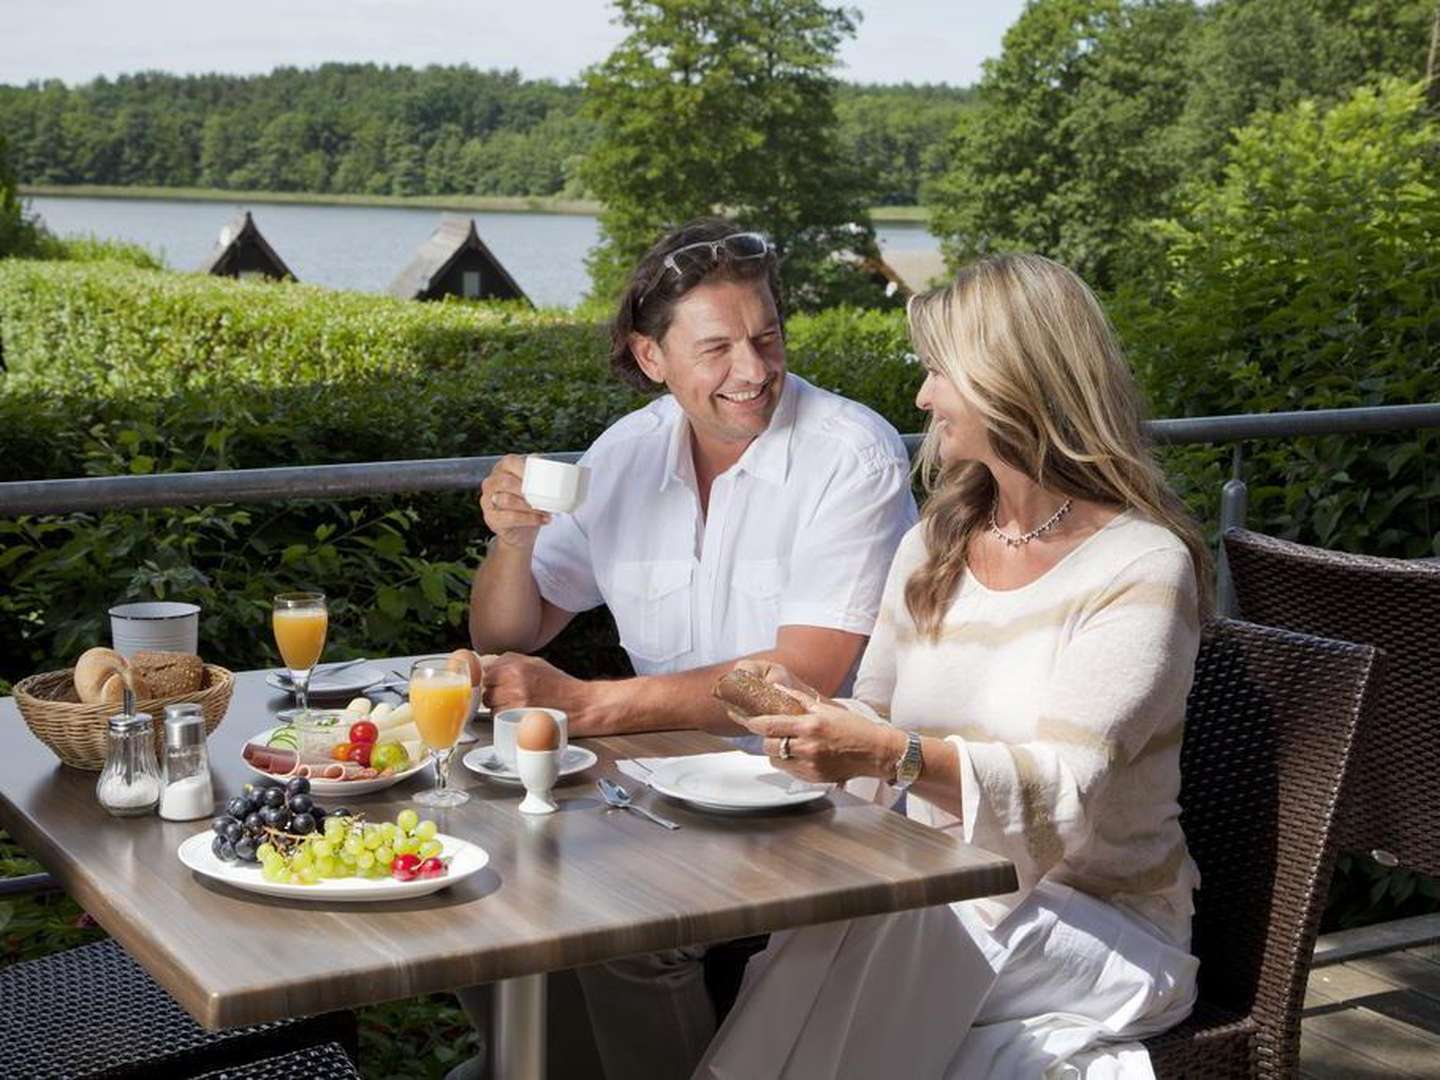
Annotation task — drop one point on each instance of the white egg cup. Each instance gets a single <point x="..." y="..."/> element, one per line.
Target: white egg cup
<point x="538" y="769"/>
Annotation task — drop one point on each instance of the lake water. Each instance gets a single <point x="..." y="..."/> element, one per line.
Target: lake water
<point x="362" y="247"/>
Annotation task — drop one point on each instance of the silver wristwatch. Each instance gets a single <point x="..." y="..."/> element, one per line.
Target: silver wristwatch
<point x="907" y="769"/>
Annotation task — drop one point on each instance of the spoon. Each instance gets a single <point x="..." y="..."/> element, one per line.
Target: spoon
<point x="618" y="797"/>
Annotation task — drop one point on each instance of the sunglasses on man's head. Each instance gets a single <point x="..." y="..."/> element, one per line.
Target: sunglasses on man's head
<point x="704" y="254"/>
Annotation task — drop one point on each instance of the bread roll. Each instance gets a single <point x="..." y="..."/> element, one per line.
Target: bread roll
<point x="169" y="673"/>
<point x="112" y="692"/>
<point x="92" y="669"/>
<point x="753" y="696"/>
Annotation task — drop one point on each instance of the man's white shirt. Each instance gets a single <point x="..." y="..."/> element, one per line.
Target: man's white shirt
<point x="799" y="532"/>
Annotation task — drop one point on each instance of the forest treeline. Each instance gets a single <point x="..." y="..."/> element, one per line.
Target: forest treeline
<point x="381" y="130"/>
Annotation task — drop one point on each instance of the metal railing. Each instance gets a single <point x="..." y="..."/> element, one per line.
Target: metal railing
<point x="465" y="474"/>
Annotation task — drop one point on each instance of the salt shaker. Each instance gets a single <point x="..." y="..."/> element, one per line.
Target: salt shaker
<point x="129" y="784"/>
<point x="188" y="792"/>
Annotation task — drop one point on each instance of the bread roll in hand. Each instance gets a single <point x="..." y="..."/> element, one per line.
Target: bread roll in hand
<point x="751" y="695"/>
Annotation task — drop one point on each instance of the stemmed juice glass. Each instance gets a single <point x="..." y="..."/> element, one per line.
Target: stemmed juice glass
<point x="440" y="703"/>
<point x="300" y="621"/>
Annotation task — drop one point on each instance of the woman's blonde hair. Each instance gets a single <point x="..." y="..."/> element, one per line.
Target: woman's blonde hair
<point x="1028" y="346"/>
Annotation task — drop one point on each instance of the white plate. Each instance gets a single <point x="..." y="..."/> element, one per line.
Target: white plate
<point x="731" y="781"/>
<point x="466" y="858"/>
<point x="350" y="680"/>
<point x="338" y="788"/>
<point x="577" y="759"/>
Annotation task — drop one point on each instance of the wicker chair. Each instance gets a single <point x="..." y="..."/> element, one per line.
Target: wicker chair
<point x="325" y="1062"/>
<point x="1269" y="728"/>
<point x="92" y="1011"/>
<point x="1393" y="604"/>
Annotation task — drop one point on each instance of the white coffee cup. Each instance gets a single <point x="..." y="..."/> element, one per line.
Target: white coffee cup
<point x="554" y="486"/>
<point x="538" y="769"/>
<point x="507" y="722"/>
<point x="156" y="625"/>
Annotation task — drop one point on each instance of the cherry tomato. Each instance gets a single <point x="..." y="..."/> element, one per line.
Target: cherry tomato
<point x="341" y="751"/>
<point x="431" y="867"/>
<point x="360" y="752"/>
<point x="405" y="867"/>
<point x="363" y="731"/>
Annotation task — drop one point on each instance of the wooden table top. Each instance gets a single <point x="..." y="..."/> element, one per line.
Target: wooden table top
<point x="572" y="888"/>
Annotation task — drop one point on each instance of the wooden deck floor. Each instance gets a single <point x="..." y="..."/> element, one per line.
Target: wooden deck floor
<point x="1376" y="1016"/>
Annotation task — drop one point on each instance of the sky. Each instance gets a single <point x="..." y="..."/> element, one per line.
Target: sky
<point x="75" y="40"/>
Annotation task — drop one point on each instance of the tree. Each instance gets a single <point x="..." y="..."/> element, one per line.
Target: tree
<point x="1254" y="56"/>
<point x="18" y="233"/>
<point x="1308" y="276"/>
<point x="725" y="105"/>
<point x="1063" y="155"/>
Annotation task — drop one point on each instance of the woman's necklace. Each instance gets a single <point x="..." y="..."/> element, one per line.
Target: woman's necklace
<point x="1025" y="538"/>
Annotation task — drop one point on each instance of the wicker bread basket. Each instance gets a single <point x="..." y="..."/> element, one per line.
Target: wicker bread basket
<point x="76" y="732"/>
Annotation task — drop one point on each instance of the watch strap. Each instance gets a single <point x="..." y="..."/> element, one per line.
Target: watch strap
<point x="907" y="769"/>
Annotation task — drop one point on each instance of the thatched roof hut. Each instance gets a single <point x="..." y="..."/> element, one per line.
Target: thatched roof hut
<point x="456" y="262"/>
<point x="241" y="251"/>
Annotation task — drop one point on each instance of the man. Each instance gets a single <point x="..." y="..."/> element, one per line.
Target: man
<point x="744" y="514"/>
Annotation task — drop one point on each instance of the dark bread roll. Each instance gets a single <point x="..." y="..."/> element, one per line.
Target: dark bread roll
<point x="753" y="696"/>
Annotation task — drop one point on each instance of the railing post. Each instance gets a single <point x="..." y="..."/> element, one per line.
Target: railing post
<point x="1234" y="497"/>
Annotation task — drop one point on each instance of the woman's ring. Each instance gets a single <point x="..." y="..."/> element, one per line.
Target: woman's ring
<point x="785" y="748"/>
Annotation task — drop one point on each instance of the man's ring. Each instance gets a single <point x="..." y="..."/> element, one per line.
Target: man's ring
<point x="785" y="748"/>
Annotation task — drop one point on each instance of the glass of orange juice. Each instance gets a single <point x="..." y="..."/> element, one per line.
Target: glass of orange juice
<point x="300" y="620"/>
<point x="440" y="703"/>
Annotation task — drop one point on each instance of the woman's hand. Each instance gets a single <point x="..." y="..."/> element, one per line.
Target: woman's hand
<point x="509" y="516"/>
<point x="829" y="744"/>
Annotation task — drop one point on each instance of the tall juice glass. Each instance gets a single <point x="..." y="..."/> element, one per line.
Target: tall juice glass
<point x="300" y="621"/>
<point x="440" y="703"/>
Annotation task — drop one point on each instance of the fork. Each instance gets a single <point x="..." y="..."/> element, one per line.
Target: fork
<point x="618" y="797"/>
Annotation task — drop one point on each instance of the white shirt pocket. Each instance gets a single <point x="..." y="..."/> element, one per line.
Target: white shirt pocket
<point x="652" y="608"/>
<point x="756" y="587"/>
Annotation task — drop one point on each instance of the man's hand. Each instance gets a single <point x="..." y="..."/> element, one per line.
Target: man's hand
<point x="830" y="744"/>
<point x="513" y="680"/>
<point x="513" y="521"/>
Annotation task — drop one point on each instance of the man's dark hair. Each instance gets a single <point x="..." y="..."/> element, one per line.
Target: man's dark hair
<point x="647" y="306"/>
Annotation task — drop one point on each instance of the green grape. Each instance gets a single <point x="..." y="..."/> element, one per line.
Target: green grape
<point x="265" y="850"/>
<point x="388" y="832"/>
<point x="296" y="879"/>
<point x="384" y="855"/>
<point x="365" y="860"/>
<point x="407" y="845"/>
<point x="326" y="865"/>
<point x="431" y="848"/>
<point x="426" y="830"/>
<point x="407" y="820"/>
<point x="300" y="860"/>
<point x="322" y="848"/>
<point x="309" y="875"/>
<point x="274" y="871"/>
<point x="353" y="844"/>
<point x="372" y="839"/>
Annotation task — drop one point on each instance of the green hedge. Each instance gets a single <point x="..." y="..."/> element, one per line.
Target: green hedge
<point x="113" y="369"/>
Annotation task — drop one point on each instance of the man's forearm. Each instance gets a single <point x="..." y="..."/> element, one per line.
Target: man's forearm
<point x="505" y="608"/>
<point x="683" y="699"/>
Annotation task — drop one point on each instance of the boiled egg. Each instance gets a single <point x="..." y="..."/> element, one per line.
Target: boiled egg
<point x="537" y="731"/>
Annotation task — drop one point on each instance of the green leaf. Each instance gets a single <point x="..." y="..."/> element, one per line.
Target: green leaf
<point x="392" y="602"/>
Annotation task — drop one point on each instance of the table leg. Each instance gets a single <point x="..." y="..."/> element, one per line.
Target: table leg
<point x="517" y="1029"/>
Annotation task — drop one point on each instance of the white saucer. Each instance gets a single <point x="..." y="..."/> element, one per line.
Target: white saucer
<point x="576" y="759"/>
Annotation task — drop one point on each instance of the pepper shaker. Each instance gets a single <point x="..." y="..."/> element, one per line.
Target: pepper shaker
<point x="189" y="793"/>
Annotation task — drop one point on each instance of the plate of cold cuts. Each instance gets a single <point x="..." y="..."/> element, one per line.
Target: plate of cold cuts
<point x="268" y="757"/>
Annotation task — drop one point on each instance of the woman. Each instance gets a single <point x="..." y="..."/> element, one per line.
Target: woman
<point x="1026" y="682"/>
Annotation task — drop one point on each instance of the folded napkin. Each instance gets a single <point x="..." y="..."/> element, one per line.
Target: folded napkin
<point x="641" y="768"/>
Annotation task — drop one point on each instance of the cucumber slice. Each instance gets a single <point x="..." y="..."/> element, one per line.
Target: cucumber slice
<point x="286" y="737"/>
